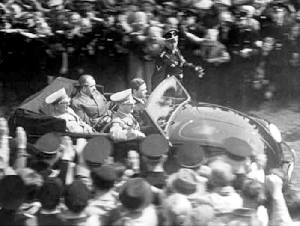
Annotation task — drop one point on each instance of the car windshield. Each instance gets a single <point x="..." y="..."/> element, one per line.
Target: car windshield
<point x="167" y="97"/>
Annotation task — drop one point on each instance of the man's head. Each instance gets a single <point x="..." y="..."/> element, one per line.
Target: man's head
<point x="87" y="85"/>
<point x="171" y="39"/>
<point x="139" y="88"/>
<point x="59" y="100"/>
<point x="124" y="100"/>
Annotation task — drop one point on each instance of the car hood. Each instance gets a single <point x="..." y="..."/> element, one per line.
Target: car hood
<point x="209" y="124"/>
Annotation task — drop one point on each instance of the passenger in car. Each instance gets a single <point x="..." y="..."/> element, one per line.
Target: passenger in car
<point x="123" y="126"/>
<point x="60" y="102"/>
<point x="139" y="91"/>
<point x="89" y="104"/>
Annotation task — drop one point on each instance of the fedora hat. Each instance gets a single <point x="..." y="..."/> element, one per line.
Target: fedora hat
<point x="136" y="194"/>
<point x="187" y="182"/>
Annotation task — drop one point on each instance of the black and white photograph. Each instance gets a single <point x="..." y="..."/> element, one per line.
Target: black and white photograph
<point x="149" y="112"/>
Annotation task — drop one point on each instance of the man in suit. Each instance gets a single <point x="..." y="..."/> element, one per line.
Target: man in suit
<point x="89" y="104"/>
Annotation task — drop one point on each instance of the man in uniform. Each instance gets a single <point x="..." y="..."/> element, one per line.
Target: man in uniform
<point x="89" y="104"/>
<point x="123" y="126"/>
<point x="60" y="102"/>
<point x="171" y="62"/>
<point x="154" y="151"/>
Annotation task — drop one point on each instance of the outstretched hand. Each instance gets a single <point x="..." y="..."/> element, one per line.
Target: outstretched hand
<point x="68" y="149"/>
<point x="21" y="137"/>
<point x="3" y="128"/>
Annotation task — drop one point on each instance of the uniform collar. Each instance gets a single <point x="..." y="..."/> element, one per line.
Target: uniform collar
<point x="141" y="100"/>
<point x="122" y="114"/>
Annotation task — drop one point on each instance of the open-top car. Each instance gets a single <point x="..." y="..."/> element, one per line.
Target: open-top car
<point x="179" y="119"/>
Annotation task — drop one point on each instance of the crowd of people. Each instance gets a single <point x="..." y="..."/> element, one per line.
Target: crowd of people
<point x="244" y="46"/>
<point x="58" y="181"/>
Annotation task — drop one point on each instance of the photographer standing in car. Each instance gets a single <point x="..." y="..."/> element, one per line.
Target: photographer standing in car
<point x="89" y="104"/>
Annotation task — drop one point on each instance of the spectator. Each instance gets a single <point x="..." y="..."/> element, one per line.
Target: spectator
<point x="33" y="182"/>
<point x="104" y="199"/>
<point x="154" y="151"/>
<point x="177" y="210"/>
<point x="49" y="197"/>
<point x="12" y="195"/>
<point x="223" y="197"/>
<point x="136" y="209"/>
<point x="202" y="215"/>
<point x="253" y="195"/>
<point x="76" y="199"/>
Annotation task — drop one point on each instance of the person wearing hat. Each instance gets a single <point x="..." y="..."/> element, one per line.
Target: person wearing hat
<point x="76" y="198"/>
<point x="187" y="182"/>
<point x="123" y="125"/>
<point x="49" y="197"/>
<point x="89" y="104"/>
<point x="105" y="197"/>
<point x="190" y="155"/>
<point x="154" y="151"/>
<point x="136" y="206"/>
<point x="60" y="102"/>
<point x="170" y="61"/>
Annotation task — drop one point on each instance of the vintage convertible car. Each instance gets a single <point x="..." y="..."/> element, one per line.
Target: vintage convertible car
<point x="176" y="117"/>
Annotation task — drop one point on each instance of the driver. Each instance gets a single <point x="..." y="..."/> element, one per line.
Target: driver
<point x="89" y="104"/>
<point x="60" y="102"/>
<point x="123" y="125"/>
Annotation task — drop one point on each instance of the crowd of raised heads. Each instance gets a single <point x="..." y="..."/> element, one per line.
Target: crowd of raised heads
<point x="68" y="34"/>
<point x="60" y="181"/>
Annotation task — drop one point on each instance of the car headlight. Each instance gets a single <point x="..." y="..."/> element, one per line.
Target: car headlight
<point x="275" y="132"/>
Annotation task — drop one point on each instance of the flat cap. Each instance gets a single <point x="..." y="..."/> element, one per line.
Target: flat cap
<point x="154" y="146"/>
<point x="57" y="97"/>
<point x="97" y="150"/>
<point x="237" y="147"/>
<point x="190" y="155"/>
<point x="123" y="97"/>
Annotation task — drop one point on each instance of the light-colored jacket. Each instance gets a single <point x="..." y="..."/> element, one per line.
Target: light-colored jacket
<point x="74" y="124"/>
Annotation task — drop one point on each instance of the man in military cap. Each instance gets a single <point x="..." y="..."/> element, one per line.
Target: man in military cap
<point x="154" y="151"/>
<point x="89" y="104"/>
<point x="170" y="61"/>
<point x="123" y="126"/>
<point x="238" y="155"/>
<point x="60" y="102"/>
